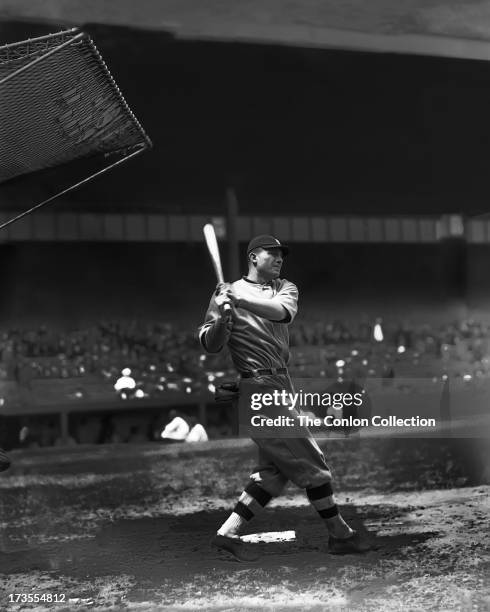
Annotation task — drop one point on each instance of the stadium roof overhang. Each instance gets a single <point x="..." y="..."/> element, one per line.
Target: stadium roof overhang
<point x="446" y="28"/>
<point x="386" y="84"/>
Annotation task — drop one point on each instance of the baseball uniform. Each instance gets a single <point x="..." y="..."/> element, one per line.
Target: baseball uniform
<point x="256" y="343"/>
<point x="259" y="348"/>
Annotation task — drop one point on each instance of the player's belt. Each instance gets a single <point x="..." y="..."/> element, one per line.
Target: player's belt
<point x="263" y="372"/>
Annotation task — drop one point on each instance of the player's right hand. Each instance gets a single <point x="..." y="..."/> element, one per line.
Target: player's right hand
<point x="222" y="300"/>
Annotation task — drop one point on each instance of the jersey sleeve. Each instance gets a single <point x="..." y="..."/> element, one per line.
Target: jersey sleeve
<point x="209" y="320"/>
<point x="212" y="323"/>
<point x="287" y="296"/>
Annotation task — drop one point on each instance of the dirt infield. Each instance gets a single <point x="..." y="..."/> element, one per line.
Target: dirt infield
<point x="128" y="527"/>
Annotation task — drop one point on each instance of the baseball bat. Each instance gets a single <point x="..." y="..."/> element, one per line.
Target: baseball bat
<point x="212" y="244"/>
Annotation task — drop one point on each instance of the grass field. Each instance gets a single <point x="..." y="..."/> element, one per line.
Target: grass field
<point x="128" y="527"/>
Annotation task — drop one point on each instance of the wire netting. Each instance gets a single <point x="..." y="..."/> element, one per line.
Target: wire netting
<point x="63" y="107"/>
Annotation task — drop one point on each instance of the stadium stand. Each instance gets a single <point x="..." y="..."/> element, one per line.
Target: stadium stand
<point x="48" y="372"/>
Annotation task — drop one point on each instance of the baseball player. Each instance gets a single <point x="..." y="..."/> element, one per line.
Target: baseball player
<point x="255" y="329"/>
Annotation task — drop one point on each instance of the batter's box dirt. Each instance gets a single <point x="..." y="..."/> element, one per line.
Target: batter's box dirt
<point x="100" y="540"/>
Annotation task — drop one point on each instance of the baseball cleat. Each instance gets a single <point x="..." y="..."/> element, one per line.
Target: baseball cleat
<point x="236" y="547"/>
<point x="345" y="546"/>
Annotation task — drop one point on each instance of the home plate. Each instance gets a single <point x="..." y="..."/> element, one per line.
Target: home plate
<point x="270" y="536"/>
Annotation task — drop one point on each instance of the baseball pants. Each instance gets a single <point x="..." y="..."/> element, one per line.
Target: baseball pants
<point x="282" y="459"/>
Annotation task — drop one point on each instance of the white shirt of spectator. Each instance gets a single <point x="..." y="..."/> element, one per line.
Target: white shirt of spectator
<point x="378" y="333"/>
<point x="126" y="381"/>
<point x="177" y="429"/>
<point x="197" y="434"/>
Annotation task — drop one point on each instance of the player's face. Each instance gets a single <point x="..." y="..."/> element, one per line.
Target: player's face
<point x="269" y="262"/>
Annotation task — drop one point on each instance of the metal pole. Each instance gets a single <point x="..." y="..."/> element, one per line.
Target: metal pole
<point x="232" y="234"/>
<point x="203" y="416"/>
<point x="64" y="427"/>
<point x="65" y="191"/>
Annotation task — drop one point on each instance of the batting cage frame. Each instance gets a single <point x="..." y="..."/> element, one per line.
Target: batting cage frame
<point x="60" y="103"/>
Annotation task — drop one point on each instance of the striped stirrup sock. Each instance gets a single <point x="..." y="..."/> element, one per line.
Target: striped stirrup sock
<point x="252" y="501"/>
<point x="321" y="499"/>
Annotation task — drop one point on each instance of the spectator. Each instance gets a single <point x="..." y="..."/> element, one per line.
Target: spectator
<point x="125" y="384"/>
<point x="197" y="432"/>
<point x="177" y="429"/>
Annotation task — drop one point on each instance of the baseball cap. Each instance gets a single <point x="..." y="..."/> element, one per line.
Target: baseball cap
<point x="265" y="241"/>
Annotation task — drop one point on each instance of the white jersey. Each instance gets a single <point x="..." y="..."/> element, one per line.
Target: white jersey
<point x="197" y="434"/>
<point x="177" y="429"/>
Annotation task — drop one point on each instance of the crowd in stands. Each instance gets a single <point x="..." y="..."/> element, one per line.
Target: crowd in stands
<point x="101" y="350"/>
<point x="162" y="359"/>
